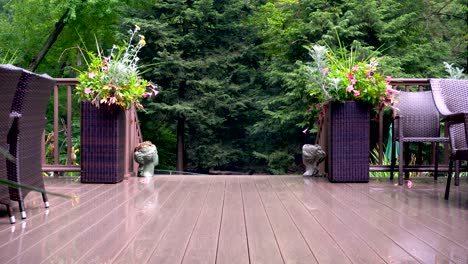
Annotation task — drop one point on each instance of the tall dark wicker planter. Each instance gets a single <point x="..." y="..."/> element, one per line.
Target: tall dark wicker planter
<point x="348" y="142"/>
<point x="102" y="143"/>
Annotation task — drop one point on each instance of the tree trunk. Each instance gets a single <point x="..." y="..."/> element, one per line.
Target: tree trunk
<point x="50" y="41"/>
<point x="180" y="166"/>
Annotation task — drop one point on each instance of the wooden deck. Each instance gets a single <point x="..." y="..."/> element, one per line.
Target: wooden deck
<point x="240" y="219"/>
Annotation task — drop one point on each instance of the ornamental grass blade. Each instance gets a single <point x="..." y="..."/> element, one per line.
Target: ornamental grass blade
<point x="17" y="185"/>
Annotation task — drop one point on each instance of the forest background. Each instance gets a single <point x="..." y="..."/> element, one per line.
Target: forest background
<point x="232" y="96"/>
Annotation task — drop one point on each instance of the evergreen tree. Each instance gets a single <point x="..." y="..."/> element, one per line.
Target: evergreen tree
<point x="201" y="58"/>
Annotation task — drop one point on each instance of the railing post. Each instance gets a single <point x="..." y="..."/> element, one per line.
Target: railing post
<point x="56" y="124"/>
<point x="69" y="124"/>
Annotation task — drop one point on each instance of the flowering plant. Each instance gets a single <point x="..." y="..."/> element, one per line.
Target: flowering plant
<point x="337" y="76"/>
<point x="115" y="79"/>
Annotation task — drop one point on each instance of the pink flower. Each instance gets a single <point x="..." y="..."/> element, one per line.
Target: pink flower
<point x="350" y="76"/>
<point x="349" y="88"/>
<point x="105" y="69"/>
<point x="318" y="105"/>
<point x="410" y="184"/>
<point x="357" y="93"/>
<point x="388" y="78"/>
<point x="391" y="91"/>
<point x="355" y="67"/>
<point x="88" y="90"/>
<point x="305" y="130"/>
<point x="107" y="59"/>
<point x="368" y="73"/>
<point x="112" y="100"/>
<point x="353" y="81"/>
<point x="324" y="71"/>
<point x="146" y="95"/>
<point x="91" y="75"/>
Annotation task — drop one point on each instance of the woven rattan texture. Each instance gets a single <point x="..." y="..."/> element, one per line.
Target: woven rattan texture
<point x="102" y="143"/>
<point x="417" y="120"/>
<point x="451" y="98"/>
<point x="9" y="77"/>
<point x="31" y="98"/>
<point x="418" y="116"/>
<point x="348" y="142"/>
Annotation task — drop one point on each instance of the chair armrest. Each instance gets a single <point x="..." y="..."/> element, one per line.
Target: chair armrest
<point x="456" y="118"/>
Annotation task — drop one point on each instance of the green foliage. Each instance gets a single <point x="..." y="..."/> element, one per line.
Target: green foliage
<point x="231" y="69"/>
<point x="116" y="78"/>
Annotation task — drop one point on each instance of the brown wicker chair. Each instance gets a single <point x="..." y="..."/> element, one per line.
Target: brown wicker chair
<point x="28" y="109"/>
<point x="9" y="77"/>
<point x="451" y="99"/>
<point x="416" y="120"/>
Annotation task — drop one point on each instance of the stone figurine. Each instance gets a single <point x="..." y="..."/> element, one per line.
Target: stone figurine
<point x="312" y="155"/>
<point x="146" y="155"/>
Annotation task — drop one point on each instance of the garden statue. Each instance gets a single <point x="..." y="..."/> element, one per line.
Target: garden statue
<point x="146" y="155"/>
<point x="312" y="155"/>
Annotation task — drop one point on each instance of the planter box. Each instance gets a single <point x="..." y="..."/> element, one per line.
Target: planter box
<point x="348" y="142"/>
<point x="102" y="143"/>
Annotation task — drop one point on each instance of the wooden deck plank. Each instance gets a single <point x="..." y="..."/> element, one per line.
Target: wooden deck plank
<point x="94" y="234"/>
<point x="232" y="246"/>
<point x="424" y="199"/>
<point x="292" y="244"/>
<point x="171" y="248"/>
<point x="351" y="243"/>
<point x="203" y="243"/>
<point x="337" y="223"/>
<point x="41" y="217"/>
<point x="362" y="205"/>
<point x="324" y="247"/>
<point x="72" y="224"/>
<point x="138" y="214"/>
<point x="263" y="247"/>
<point x="60" y="218"/>
<point x="146" y="239"/>
<point x="35" y="206"/>
<point x="453" y="227"/>
<point x="138" y="211"/>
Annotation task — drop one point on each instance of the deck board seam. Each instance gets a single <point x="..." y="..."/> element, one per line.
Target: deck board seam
<point x="423" y="224"/>
<point x="171" y="221"/>
<point x="95" y="223"/>
<point x="198" y="218"/>
<point x="269" y="221"/>
<point x="123" y="220"/>
<point x="149" y="219"/>
<point x="220" y="222"/>
<point x="317" y="220"/>
<point x="385" y="233"/>
<point x="292" y="219"/>
<point x="54" y="231"/>
<point x="245" y="220"/>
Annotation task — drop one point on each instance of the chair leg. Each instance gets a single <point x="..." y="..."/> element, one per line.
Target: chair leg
<point x="46" y="201"/>
<point x="457" y="172"/>
<point x="400" y="163"/>
<point x="436" y="162"/>
<point x="10" y="214"/>
<point x="392" y="160"/>
<point x="22" y="209"/>
<point x="449" y="179"/>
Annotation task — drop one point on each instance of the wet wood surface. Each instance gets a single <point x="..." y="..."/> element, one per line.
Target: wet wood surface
<point x="240" y="219"/>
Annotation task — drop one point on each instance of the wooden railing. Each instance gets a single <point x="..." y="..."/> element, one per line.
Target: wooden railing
<point x="63" y="120"/>
<point x="62" y="133"/>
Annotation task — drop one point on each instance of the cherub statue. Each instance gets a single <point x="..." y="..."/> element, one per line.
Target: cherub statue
<point x="146" y="155"/>
<point x="312" y="155"/>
